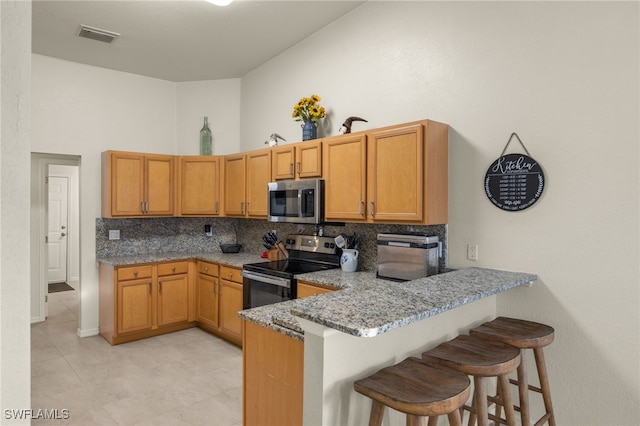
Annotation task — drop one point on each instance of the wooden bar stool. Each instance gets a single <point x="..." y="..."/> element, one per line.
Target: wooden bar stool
<point x="417" y="389"/>
<point x="481" y="359"/>
<point x="524" y="335"/>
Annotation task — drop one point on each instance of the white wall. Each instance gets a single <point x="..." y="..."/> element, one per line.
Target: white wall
<point x="220" y="101"/>
<point x="565" y="77"/>
<point x="15" y="65"/>
<point x="83" y="110"/>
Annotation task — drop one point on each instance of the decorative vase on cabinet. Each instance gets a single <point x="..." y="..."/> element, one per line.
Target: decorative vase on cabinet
<point x="309" y="130"/>
<point x="206" y="140"/>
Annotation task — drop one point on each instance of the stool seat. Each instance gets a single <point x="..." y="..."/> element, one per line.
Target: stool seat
<point x="481" y="359"/>
<point x="519" y="333"/>
<point x="416" y="389"/>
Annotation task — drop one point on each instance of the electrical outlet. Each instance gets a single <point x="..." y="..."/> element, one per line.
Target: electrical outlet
<point x="114" y="234"/>
<point x="472" y="252"/>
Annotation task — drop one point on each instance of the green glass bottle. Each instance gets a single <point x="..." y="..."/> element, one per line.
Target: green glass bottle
<point x="206" y="140"/>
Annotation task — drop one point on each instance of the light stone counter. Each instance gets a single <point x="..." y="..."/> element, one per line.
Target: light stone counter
<point x="230" y="259"/>
<point x="366" y="306"/>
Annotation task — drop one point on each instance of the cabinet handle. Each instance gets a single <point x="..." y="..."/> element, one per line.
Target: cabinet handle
<point x="298" y="168"/>
<point x="206" y="268"/>
<point x="149" y="288"/>
<point x="147" y="207"/>
<point x="135" y="273"/>
<point x="248" y="206"/>
<point x="291" y="169"/>
<point x="217" y="204"/>
<point x="160" y="286"/>
<point x="361" y="207"/>
<point x="173" y="269"/>
<point x="372" y="209"/>
<point x="142" y="206"/>
<point x="242" y="207"/>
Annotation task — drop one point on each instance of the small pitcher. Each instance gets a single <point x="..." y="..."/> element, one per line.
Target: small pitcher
<point x="349" y="260"/>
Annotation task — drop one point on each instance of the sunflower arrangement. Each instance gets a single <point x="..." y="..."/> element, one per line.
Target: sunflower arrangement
<point x="308" y="109"/>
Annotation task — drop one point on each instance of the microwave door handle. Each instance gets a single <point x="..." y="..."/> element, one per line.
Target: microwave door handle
<point x="301" y="194"/>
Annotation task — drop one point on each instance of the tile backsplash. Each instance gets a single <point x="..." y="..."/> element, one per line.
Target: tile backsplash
<point x="162" y="235"/>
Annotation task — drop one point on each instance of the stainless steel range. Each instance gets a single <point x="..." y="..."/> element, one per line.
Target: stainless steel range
<point x="275" y="281"/>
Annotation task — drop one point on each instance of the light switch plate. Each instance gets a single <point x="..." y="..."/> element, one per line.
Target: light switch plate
<point x="114" y="234"/>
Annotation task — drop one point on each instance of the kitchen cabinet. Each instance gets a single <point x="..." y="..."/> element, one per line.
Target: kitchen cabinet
<point x="135" y="184"/>
<point x="199" y="186"/>
<point x="230" y="303"/>
<point x="245" y="183"/>
<point x="404" y="178"/>
<point x="145" y="300"/>
<point x="345" y="171"/>
<point x="219" y="300"/>
<point x="306" y="289"/>
<point x="297" y="161"/>
<point x="207" y="285"/>
<point x="272" y="377"/>
<point x="173" y="293"/>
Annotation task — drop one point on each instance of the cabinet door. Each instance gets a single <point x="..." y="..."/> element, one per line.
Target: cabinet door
<point x="230" y="304"/>
<point x="134" y="305"/>
<point x="283" y="159"/>
<point x="309" y="159"/>
<point x="395" y="174"/>
<point x="258" y="176"/>
<point x="159" y="185"/>
<point x="199" y="186"/>
<point x="344" y="172"/>
<point x="208" y="300"/>
<point x="126" y="183"/>
<point x="173" y="299"/>
<point x="234" y="183"/>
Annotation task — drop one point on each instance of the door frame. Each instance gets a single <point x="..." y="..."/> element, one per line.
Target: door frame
<point x="40" y="163"/>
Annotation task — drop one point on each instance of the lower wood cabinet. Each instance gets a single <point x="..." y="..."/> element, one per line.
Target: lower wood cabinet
<point x="273" y="377"/>
<point x="219" y="300"/>
<point x="145" y="300"/>
<point x="141" y="301"/>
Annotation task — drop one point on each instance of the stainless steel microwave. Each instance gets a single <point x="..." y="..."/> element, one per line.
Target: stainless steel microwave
<point x="296" y="201"/>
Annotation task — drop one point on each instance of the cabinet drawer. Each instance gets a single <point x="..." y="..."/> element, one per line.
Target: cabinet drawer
<point x="172" y="268"/>
<point x="134" y="272"/>
<point x="208" y="268"/>
<point x="231" y="274"/>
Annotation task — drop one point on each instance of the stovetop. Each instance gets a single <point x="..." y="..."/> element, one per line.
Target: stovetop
<point x="288" y="267"/>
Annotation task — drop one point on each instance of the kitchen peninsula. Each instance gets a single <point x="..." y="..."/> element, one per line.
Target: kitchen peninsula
<point x="348" y="334"/>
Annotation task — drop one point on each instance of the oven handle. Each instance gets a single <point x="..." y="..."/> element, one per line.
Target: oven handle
<point x="282" y="282"/>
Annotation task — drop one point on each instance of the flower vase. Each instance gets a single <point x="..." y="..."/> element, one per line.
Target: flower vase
<point x="309" y="130"/>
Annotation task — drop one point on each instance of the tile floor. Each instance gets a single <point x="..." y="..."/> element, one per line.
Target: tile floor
<point x="184" y="378"/>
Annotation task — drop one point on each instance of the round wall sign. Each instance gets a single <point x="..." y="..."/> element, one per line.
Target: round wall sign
<point x="514" y="182"/>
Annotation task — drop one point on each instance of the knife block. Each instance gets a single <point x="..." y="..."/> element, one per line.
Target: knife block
<point x="279" y="252"/>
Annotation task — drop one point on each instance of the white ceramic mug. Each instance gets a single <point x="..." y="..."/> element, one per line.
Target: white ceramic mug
<point x="349" y="260"/>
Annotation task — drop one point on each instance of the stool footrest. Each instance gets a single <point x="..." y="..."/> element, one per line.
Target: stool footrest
<point x="531" y="387"/>
<point x="543" y="419"/>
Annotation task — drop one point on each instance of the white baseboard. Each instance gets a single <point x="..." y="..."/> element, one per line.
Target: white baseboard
<point x="88" y="333"/>
<point x="37" y="319"/>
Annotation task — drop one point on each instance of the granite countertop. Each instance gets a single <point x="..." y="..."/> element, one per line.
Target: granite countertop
<point x="230" y="259"/>
<point x="367" y="306"/>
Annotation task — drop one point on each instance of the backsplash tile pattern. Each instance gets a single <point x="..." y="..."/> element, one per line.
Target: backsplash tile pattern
<point x="162" y="235"/>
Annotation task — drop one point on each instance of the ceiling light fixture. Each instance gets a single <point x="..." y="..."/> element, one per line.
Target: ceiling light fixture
<point x="220" y="2"/>
<point x="97" y="34"/>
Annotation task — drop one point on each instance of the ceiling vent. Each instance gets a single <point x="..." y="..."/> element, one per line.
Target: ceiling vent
<point x="97" y="34"/>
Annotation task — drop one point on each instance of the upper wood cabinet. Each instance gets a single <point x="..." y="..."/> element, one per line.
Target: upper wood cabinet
<point x="345" y="172"/>
<point x="297" y="161"/>
<point x="135" y="184"/>
<point x="405" y="178"/>
<point x="199" y="186"/>
<point x="245" y="183"/>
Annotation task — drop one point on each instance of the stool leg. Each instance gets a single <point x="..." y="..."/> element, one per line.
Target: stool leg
<point x="433" y="420"/>
<point x="377" y="412"/>
<point x="454" y="418"/>
<point x="523" y="389"/>
<point x="415" y="420"/>
<point x="544" y="384"/>
<point x="480" y="397"/>
<point x="503" y="383"/>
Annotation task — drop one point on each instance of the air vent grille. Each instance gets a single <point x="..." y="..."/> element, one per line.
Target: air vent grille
<point x="97" y="34"/>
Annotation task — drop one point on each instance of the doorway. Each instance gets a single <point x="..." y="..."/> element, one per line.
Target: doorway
<point x="55" y="227"/>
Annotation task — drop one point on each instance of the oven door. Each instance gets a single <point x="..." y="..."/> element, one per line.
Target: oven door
<point x="262" y="289"/>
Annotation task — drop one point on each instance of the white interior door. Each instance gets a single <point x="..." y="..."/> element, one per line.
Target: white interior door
<point x="58" y="190"/>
